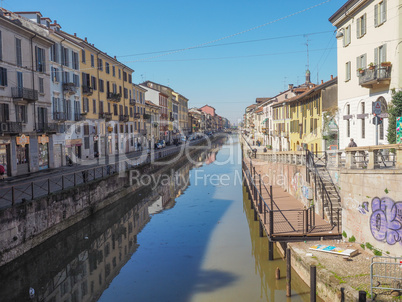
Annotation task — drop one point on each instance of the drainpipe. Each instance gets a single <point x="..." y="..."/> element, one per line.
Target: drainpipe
<point x="33" y="79"/>
<point x="62" y="69"/>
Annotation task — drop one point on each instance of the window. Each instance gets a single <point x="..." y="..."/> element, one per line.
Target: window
<point x="124" y="76"/>
<point x="40" y="59"/>
<point x="361" y="62"/>
<point x="380" y="54"/>
<point x="108" y="108"/>
<point x="114" y="70"/>
<point x="75" y="60"/>
<point x="83" y="59"/>
<point x="361" y="26"/>
<point x="131" y="112"/>
<point x="346" y="36"/>
<point x="41" y="86"/>
<point x="1" y="47"/>
<point x="107" y="67"/>
<point x="20" y="80"/>
<point x="101" y="86"/>
<point x="4" y="113"/>
<point x="348" y="121"/>
<point x="115" y="109"/>
<point x="18" y="51"/>
<point x="54" y="53"/>
<point x="3" y="76"/>
<point x="77" y="108"/>
<point x="64" y="56"/>
<point x="347" y="71"/>
<point x="119" y="73"/>
<point x="363" y="121"/>
<point x="55" y="75"/>
<point x="125" y="93"/>
<point x="101" y="107"/>
<point x="93" y="106"/>
<point x="129" y="78"/>
<point x="66" y="77"/>
<point x="120" y="109"/>
<point x="100" y="64"/>
<point x="380" y="13"/>
<point x="85" y="105"/>
<point x="93" y="83"/>
<point x="92" y="60"/>
<point x="76" y="80"/>
<point x="21" y="113"/>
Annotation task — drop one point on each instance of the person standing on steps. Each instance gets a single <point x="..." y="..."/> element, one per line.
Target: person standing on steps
<point x="352" y="143"/>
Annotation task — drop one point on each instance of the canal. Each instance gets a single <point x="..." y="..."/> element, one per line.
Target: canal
<point x="188" y="237"/>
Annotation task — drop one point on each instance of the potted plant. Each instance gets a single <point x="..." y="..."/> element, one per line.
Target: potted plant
<point x="385" y="64"/>
<point x="371" y="66"/>
<point x="360" y="70"/>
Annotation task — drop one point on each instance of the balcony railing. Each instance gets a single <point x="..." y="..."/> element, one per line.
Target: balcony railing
<point x="147" y="116"/>
<point x="86" y="90"/>
<point x="132" y="102"/>
<point x="114" y="97"/>
<point x="137" y="115"/>
<point x="59" y="116"/>
<point x="79" y="117"/>
<point x="105" y="115"/>
<point x="11" y="127"/>
<point x="375" y="76"/>
<point x="49" y="128"/>
<point x="70" y="88"/>
<point x="124" y="118"/>
<point x="26" y="94"/>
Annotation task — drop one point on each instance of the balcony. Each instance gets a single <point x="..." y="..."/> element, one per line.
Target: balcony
<point x="79" y="117"/>
<point x="376" y="76"/>
<point x="124" y="118"/>
<point x="132" y="102"/>
<point x="11" y="128"/>
<point x="50" y="128"/>
<point x="87" y="91"/>
<point x="24" y="94"/>
<point x="137" y="115"/>
<point x="69" y="88"/>
<point x="114" y="97"/>
<point x="105" y="115"/>
<point x="147" y="116"/>
<point x="60" y="116"/>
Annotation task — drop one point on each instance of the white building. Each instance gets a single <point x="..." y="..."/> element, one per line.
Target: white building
<point x="368" y="33"/>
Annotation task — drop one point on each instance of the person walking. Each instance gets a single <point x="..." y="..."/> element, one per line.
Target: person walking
<point x="2" y="171"/>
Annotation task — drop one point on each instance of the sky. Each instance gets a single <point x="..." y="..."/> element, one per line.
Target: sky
<point x="221" y="53"/>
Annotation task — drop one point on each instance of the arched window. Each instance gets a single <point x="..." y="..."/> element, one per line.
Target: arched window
<point x="384" y="114"/>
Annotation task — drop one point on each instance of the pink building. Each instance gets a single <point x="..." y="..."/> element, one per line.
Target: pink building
<point x="208" y="109"/>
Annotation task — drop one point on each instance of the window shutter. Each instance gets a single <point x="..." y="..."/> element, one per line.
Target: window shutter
<point x="4" y="73"/>
<point x="384" y="53"/>
<point x="358" y="31"/>
<point x="384" y="11"/>
<point x="363" y="25"/>
<point x="6" y="112"/>
<point x="36" y="58"/>
<point x="376" y="15"/>
<point x="376" y="56"/>
<point x="364" y="63"/>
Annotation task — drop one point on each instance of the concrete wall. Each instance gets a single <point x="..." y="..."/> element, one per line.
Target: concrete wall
<point x="372" y="208"/>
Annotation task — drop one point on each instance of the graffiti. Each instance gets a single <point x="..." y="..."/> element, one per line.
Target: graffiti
<point x="306" y="191"/>
<point x="386" y="220"/>
<point x="297" y="183"/>
<point x="363" y="209"/>
<point x="351" y="203"/>
<point x="336" y="177"/>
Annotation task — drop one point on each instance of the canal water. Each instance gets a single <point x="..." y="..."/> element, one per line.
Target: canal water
<point x="192" y="237"/>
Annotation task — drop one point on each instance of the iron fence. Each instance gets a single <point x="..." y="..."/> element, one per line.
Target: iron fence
<point x="385" y="274"/>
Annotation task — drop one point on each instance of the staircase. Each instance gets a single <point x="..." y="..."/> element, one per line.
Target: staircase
<point x="326" y="189"/>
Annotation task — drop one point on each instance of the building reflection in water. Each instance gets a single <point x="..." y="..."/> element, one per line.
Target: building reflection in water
<point x="79" y="263"/>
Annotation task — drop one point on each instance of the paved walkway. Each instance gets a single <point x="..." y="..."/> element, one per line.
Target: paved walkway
<point x="290" y="217"/>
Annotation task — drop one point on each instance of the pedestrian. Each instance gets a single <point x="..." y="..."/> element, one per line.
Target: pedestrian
<point x="2" y="170"/>
<point x="352" y="143"/>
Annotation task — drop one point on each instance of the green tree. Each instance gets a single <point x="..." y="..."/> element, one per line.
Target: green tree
<point x="394" y="111"/>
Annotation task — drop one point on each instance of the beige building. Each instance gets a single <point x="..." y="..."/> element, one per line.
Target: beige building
<point x="368" y="36"/>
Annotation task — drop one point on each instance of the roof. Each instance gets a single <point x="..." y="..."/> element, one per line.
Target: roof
<point x="149" y="103"/>
<point x="314" y="89"/>
<point x="261" y="100"/>
<point x="26" y="13"/>
<point x="259" y="110"/>
<point x="252" y="106"/>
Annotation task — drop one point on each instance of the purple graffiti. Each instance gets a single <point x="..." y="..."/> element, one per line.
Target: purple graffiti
<point x="386" y="220"/>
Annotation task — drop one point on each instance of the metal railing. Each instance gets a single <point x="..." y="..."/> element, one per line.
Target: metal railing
<point x="87" y="90"/>
<point x="114" y="97"/>
<point x="385" y="274"/>
<point x="24" y="93"/>
<point x="60" y="116"/>
<point x="11" y="127"/>
<point x="376" y="74"/>
<point x="49" y="128"/>
<point x="30" y="190"/>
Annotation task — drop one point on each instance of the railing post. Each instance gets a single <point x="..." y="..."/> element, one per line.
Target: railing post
<point x="94" y="173"/>
<point x="288" y="273"/>
<point x="32" y="189"/>
<point x="75" y="180"/>
<point x="372" y="159"/>
<point x="271" y="223"/>
<point x="265" y="213"/>
<point x="313" y="283"/>
<point x="349" y="159"/>
<point x="12" y="195"/>
<point x="398" y="163"/>
<point x="48" y="186"/>
<point x="62" y="182"/>
<point x="271" y="197"/>
<point x="305" y="214"/>
<point x="362" y="296"/>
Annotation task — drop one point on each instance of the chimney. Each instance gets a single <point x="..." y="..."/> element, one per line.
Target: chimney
<point x="86" y="40"/>
<point x="75" y="34"/>
<point x="55" y="21"/>
<point x="115" y="57"/>
<point x="290" y="87"/>
<point x="322" y="81"/>
<point x="332" y="77"/>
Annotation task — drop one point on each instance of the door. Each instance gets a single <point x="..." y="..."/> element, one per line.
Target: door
<point x="22" y="159"/>
<point x="57" y="155"/>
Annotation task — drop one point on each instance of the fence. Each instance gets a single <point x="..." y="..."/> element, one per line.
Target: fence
<point x="386" y="273"/>
<point x="33" y="189"/>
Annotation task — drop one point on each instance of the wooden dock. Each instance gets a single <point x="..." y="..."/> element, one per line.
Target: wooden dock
<point x="282" y="217"/>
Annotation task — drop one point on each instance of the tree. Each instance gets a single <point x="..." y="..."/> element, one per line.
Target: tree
<point x="394" y="111"/>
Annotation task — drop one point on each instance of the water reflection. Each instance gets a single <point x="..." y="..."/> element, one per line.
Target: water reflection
<point x="80" y="263"/>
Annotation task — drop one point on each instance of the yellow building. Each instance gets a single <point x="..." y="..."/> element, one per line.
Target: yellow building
<point x="106" y="99"/>
<point x="152" y="122"/>
<point x="140" y="129"/>
<point x="183" y="115"/>
<point x="308" y="129"/>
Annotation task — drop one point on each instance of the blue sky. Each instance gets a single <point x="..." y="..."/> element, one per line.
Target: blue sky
<point x="244" y="61"/>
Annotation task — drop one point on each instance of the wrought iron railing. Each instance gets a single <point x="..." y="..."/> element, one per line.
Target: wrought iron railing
<point x="114" y="97"/>
<point x="11" y="127"/>
<point x="24" y="93"/>
<point x="375" y="74"/>
<point x="87" y="90"/>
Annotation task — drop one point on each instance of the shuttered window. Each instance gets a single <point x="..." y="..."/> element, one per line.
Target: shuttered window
<point x="380" y="54"/>
<point x="380" y="13"/>
<point x="18" y="51"/>
<point x="347" y="71"/>
<point x="361" y="26"/>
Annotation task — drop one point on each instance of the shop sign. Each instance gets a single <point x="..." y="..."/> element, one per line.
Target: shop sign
<point x="43" y="139"/>
<point x="5" y="141"/>
<point x="110" y="129"/>
<point x="73" y="142"/>
<point x="22" y="140"/>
